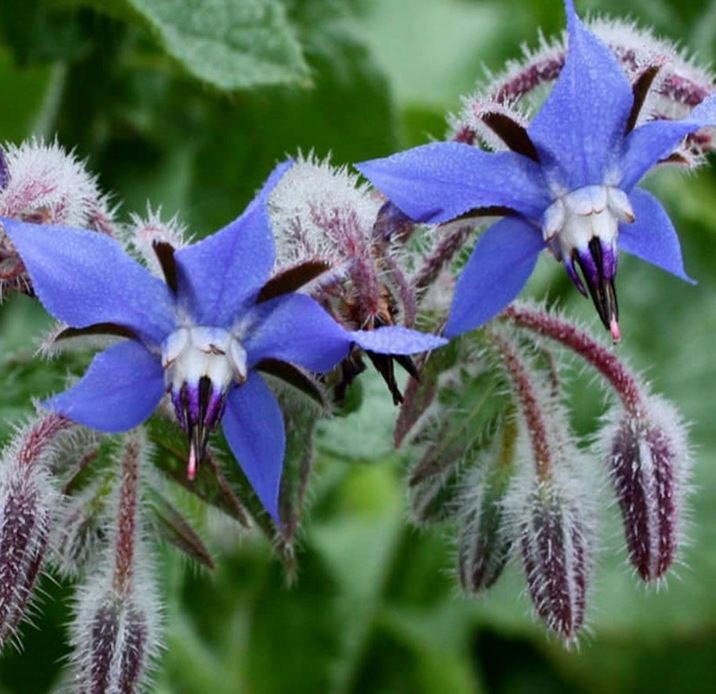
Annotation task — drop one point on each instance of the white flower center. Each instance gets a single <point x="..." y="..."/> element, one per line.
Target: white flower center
<point x="574" y="219"/>
<point x="195" y="352"/>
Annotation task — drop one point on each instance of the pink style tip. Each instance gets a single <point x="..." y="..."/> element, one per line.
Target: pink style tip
<point x="191" y="466"/>
<point x="614" y="329"/>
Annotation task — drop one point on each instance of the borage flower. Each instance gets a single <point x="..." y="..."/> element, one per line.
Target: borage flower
<point x="202" y="334"/>
<point x="568" y="185"/>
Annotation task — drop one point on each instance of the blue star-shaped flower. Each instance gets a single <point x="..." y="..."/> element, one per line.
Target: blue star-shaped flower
<point x="568" y="185"/>
<point x="200" y="335"/>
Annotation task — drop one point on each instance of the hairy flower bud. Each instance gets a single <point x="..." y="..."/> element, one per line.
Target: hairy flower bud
<point x="48" y="185"/>
<point x="322" y="215"/>
<point x="485" y="539"/>
<point x="42" y="183"/>
<point x="114" y="632"/>
<point x="27" y="505"/>
<point x="554" y="544"/>
<point x="117" y="639"/>
<point x="649" y="467"/>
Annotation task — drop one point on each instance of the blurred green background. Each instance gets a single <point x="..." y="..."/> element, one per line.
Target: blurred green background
<point x="171" y="107"/>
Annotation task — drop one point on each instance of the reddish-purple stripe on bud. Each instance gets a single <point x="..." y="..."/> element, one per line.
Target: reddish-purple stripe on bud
<point x="555" y="553"/>
<point x="114" y="632"/>
<point x="117" y="640"/>
<point x="4" y="171"/>
<point x="27" y="502"/>
<point x="644" y="468"/>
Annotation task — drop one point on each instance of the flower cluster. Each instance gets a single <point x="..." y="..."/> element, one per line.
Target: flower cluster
<point x="566" y="183"/>
<point x="261" y="328"/>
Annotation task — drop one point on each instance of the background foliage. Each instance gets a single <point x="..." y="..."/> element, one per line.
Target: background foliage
<point x="187" y="104"/>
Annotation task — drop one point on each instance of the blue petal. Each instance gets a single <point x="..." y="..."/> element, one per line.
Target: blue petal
<point x="652" y="236"/>
<point x="396" y="340"/>
<point x="296" y="329"/>
<point x="253" y="426"/>
<point x="579" y="130"/>
<point x="656" y="140"/>
<point x="438" y="182"/>
<point x="121" y="388"/>
<point x="498" y="268"/>
<point x="222" y="273"/>
<point x="83" y="277"/>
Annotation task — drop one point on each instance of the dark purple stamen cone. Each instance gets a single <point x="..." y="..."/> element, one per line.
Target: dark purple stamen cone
<point x="643" y="467"/>
<point x="555" y="557"/>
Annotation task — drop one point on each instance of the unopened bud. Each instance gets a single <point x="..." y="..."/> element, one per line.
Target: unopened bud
<point x="114" y="647"/>
<point x="554" y="545"/>
<point x="485" y="541"/>
<point x="27" y="504"/>
<point x="48" y="185"/>
<point x="649" y="467"/>
<point x="114" y="633"/>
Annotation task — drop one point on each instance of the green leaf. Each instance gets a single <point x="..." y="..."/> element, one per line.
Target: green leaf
<point x="230" y="45"/>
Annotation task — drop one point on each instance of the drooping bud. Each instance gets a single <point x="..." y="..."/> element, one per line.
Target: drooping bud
<point x="322" y="214"/>
<point x="644" y="446"/>
<point x="27" y="504"/>
<point x="114" y="632"/>
<point x="554" y="544"/>
<point x="485" y="541"/>
<point x="649" y="467"/>
<point x="549" y="512"/>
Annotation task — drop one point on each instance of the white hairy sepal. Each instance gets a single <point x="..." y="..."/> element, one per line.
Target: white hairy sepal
<point x="322" y="211"/>
<point x="469" y="122"/>
<point x="52" y="186"/>
<point x="143" y="232"/>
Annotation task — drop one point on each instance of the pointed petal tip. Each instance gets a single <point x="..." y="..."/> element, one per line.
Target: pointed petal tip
<point x="571" y="12"/>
